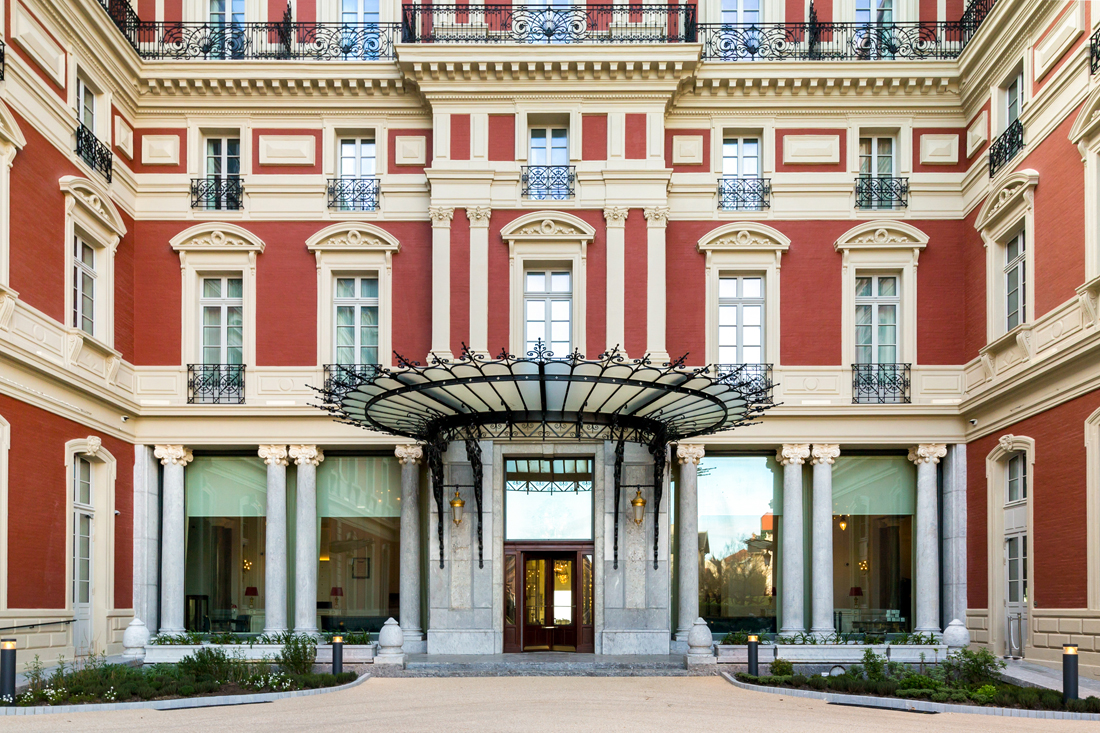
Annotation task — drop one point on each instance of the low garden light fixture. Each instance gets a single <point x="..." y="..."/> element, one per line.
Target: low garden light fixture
<point x="1069" y="672"/>
<point x="754" y="655"/>
<point x="7" y="670"/>
<point x="251" y="593"/>
<point x="337" y="654"/>
<point x="456" y="508"/>
<point x="638" y="504"/>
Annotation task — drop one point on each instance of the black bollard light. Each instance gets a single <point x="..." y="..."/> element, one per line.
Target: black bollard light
<point x="754" y="655"/>
<point x="337" y="654"/>
<point x="7" y="670"/>
<point x="1069" y="672"/>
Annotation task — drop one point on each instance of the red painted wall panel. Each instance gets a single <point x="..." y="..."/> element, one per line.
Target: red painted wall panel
<point x="261" y="169"/>
<point x="38" y="507"/>
<point x="941" y="283"/>
<point x="795" y="11"/>
<point x="37" y="207"/>
<point x="596" y="286"/>
<point x="685" y="298"/>
<point x="840" y="167"/>
<point x="139" y="134"/>
<point x="412" y="289"/>
<point x="147" y="9"/>
<point x="502" y="137"/>
<point x="955" y="9"/>
<point x="157" y="294"/>
<point x="637" y="268"/>
<point x="973" y="261"/>
<point x="703" y="167"/>
<point x="1058" y="505"/>
<point x="928" y="11"/>
<point x="959" y="167"/>
<point x="499" y="279"/>
<point x="594" y="137"/>
<point x="635" y="137"/>
<point x="824" y="10"/>
<point x="460" y="276"/>
<point x="810" y="293"/>
<point x="393" y="135"/>
<point x="1059" y="218"/>
<point x="286" y="295"/>
<point x="124" y="290"/>
<point x="173" y="10"/>
<point x="460" y="137"/>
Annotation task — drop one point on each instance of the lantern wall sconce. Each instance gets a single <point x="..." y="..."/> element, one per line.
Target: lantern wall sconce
<point x="843" y="523"/>
<point x="638" y="505"/>
<point x="456" y="508"/>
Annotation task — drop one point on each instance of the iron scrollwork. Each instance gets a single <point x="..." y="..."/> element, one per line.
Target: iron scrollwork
<point x="473" y="454"/>
<point x="353" y="194"/>
<point x="882" y="192"/>
<point x="93" y="152"/>
<point x="620" y="448"/>
<point x="433" y="449"/>
<point x="659" y="450"/>
<point x="744" y="194"/>
<point x="1005" y="147"/>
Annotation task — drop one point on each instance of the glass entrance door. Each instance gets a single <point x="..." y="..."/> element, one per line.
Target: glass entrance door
<point x="549" y="602"/>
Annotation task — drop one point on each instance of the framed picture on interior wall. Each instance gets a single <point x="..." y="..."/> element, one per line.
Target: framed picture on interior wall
<point x="360" y="568"/>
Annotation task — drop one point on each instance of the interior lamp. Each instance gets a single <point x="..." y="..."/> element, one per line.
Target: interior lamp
<point x="855" y="594"/>
<point x="456" y="508"/>
<point x="638" y="504"/>
<point x="251" y="593"/>
<point x="337" y="593"/>
<point x="843" y="523"/>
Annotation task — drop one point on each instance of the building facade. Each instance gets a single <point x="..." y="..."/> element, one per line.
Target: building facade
<point x="881" y="214"/>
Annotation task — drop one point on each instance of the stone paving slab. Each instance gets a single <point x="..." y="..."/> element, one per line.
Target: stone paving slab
<point x="1029" y="674"/>
<point x="532" y="664"/>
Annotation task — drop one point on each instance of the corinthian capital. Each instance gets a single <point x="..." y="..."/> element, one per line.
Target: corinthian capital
<point x="441" y="215"/>
<point x="927" y="453"/>
<point x="274" y="455"/>
<point x="657" y="216"/>
<point x="825" y="453"/>
<point x="173" y="455"/>
<point x="793" y="454"/>
<point x="408" y="453"/>
<point x="690" y="453"/>
<point x="616" y="215"/>
<point x="478" y="215"/>
<point x="303" y="454"/>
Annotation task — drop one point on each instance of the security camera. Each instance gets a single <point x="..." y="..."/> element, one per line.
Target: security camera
<point x="125" y="418"/>
<point x="973" y="421"/>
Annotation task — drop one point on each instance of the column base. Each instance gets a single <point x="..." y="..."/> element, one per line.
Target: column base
<point x="790" y="630"/>
<point x="928" y="630"/>
<point x="657" y="358"/>
<point x="303" y="631"/>
<point x="442" y="355"/>
<point x="165" y="630"/>
<point x="414" y="642"/>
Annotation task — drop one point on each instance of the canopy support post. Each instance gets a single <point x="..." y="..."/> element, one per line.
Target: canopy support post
<point x="473" y="454"/>
<point x="434" y="448"/>
<point x="659" y="449"/>
<point x="620" y="446"/>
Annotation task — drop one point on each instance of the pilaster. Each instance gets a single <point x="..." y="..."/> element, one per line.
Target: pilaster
<point x="410" y="456"/>
<point x="275" y="456"/>
<point x="174" y="458"/>
<point x="656" y="222"/>
<point x="821" y="546"/>
<point x="307" y="458"/>
<point x="687" y="530"/>
<point x="441" y="280"/>
<point x="616" y="275"/>
<point x="479" y="281"/>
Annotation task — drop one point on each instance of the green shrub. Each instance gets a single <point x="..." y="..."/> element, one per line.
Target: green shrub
<point x="297" y="655"/>
<point x="1050" y="699"/>
<point x="187" y="690"/>
<point x="972" y="668"/>
<point x="840" y="684"/>
<point x="1077" y="706"/>
<point x="208" y="662"/>
<point x="225" y="637"/>
<point x="1028" y="697"/>
<point x="782" y="667"/>
<point x="984" y="694"/>
<point x="917" y="693"/>
<point x="941" y="696"/>
<point x="818" y="683"/>
<point x="886" y="688"/>
<point x="1005" y="699"/>
<point x="874" y="666"/>
<point x="1093" y="703"/>
<point x="918" y="682"/>
<point x="747" y="678"/>
<point x="798" y="680"/>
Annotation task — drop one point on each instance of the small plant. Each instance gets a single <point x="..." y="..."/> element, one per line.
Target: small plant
<point x="187" y="638"/>
<point x="362" y="638"/>
<point x="874" y="666"/>
<point x="298" y="654"/>
<point x="984" y="694"/>
<point x="782" y="667"/>
<point x="225" y="637"/>
<point x="207" y="662"/>
<point x="918" y="682"/>
<point x="971" y="669"/>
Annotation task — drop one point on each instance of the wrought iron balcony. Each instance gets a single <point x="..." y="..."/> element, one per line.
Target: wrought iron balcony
<point x="217" y="192"/>
<point x="1005" y="147"/>
<point x="1094" y="53"/>
<point x="339" y="378"/>
<point x="881" y="384"/>
<point x="553" y="182"/>
<point x="3" y="50"/>
<point x="94" y="152"/>
<point x="754" y="380"/>
<point x="744" y="194"/>
<point x="530" y="24"/>
<point x="215" y="384"/>
<point x="882" y="192"/>
<point x="353" y="194"/>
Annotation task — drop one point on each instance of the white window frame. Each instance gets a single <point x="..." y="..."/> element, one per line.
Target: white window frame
<point x="1016" y="463"/>
<point x="357" y="302"/>
<point x="547" y="296"/>
<point x="1013" y="102"/>
<point x="82" y="270"/>
<point x="875" y="138"/>
<point x="1017" y="265"/>
<point x="739" y="14"/>
<point x="359" y="140"/>
<point x="84" y="92"/>
<point x="353" y="249"/>
<point x="871" y="18"/>
<point x="361" y="11"/>
<point x="740" y="302"/>
<point x="223" y="302"/>
<point x="744" y="249"/>
<point x="224" y="157"/>
<point x="875" y="301"/>
<point x="228" y="15"/>
<point x="740" y="157"/>
<point x="11" y="142"/>
<point x="1008" y="210"/>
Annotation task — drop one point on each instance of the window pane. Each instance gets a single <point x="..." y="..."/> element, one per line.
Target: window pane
<point x="727" y="315"/>
<point x="752" y="355"/>
<point x="888" y="286"/>
<point x="536" y="282"/>
<point x="727" y="287"/>
<point x="345" y="287"/>
<point x="751" y="315"/>
<point x="887" y="315"/>
<point x="368" y="315"/>
<point x="211" y="316"/>
<point x="753" y="287"/>
<point x="863" y="315"/>
<point x="236" y="287"/>
<point x="559" y="310"/>
<point x="751" y="336"/>
<point x="863" y="286"/>
<point x="211" y="287"/>
<point x="727" y="336"/>
<point x="536" y="310"/>
<point x="369" y="288"/>
<point x="234" y="316"/>
<point x="559" y="282"/>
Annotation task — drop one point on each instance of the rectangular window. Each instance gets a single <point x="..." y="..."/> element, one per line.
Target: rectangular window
<point x="225" y="12"/>
<point x="357" y="157"/>
<point x="1015" y="282"/>
<point x="82" y="530"/>
<point x="1013" y="98"/>
<point x="740" y="319"/>
<point x="84" y="277"/>
<point x="222" y="305"/>
<point x="548" y="174"/>
<point x="223" y="156"/>
<point x="745" y="12"/>
<point x="548" y="311"/>
<point x="874" y="11"/>
<point x="1016" y="476"/>
<point x="85" y="104"/>
<point x="1016" y="557"/>
<point x="549" y="146"/>
<point x="741" y="157"/>
<point x="877" y="304"/>
<point x="876" y="157"/>
<point x="356" y="320"/>
<point x="358" y="11"/>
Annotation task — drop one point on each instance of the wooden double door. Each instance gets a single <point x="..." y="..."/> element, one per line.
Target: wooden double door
<point x="548" y="598"/>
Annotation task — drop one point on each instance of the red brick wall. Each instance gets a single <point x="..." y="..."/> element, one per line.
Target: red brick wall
<point x="460" y="137"/>
<point x="37" y="511"/>
<point x="637" y="268"/>
<point x="959" y="167"/>
<point x="502" y="137"/>
<point x="941" y="284"/>
<point x="138" y="167"/>
<point x="685" y="299"/>
<point x="635" y="137"/>
<point x="124" y="290"/>
<point x="1058" y="496"/>
<point x="973" y="261"/>
<point x="594" y="137"/>
<point x="810" y="293"/>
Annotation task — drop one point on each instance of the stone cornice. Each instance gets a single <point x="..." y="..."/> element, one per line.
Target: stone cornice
<point x="1014" y="191"/>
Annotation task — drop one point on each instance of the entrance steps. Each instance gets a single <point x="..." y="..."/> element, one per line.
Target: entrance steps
<point x="541" y="664"/>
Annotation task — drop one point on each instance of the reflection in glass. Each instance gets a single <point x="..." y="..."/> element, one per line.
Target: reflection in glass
<point x="740" y="503"/>
<point x="586" y="596"/>
<point x="534" y="594"/>
<point x="510" y="589"/>
<point x="563" y="592"/>
<point x="548" y="499"/>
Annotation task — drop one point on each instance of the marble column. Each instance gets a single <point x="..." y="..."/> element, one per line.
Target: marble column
<point x="479" y="280"/>
<point x="791" y="457"/>
<point x="926" y="535"/>
<point x="687" y="533"/>
<point x="656" y="221"/>
<point x="616" y="276"/>
<point x="441" y="280"/>
<point x="409" y="457"/>
<point x="275" y="456"/>
<point x="821" y="548"/>
<point x="306" y="458"/>
<point x="172" y="560"/>
<point x="954" y="533"/>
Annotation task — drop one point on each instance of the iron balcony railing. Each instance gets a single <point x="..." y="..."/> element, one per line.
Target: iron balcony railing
<point x="215" y="384"/>
<point x="1094" y="53"/>
<point x="217" y="192"/>
<point x="353" y="194"/>
<point x="744" y="194"/>
<point x="882" y="192"/>
<point x="566" y="23"/>
<point x="3" y="50"/>
<point x="881" y="384"/>
<point x="553" y="182"/>
<point x="755" y="380"/>
<point x="1005" y="147"/>
<point x="339" y="378"/>
<point x="94" y="152"/>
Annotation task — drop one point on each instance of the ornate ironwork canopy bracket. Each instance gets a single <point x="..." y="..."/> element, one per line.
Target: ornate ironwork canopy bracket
<point x="434" y="450"/>
<point x="620" y="447"/>
<point x="659" y="450"/>
<point x="473" y="453"/>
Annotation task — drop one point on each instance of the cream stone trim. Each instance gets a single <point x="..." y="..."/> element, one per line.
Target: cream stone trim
<point x="173" y="455"/>
<point x="91" y="215"/>
<point x="927" y="453"/>
<point x="11" y="142"/>
<point x="5" y="448"/>
<point x="615" y="231"/>
<point x="1092" y="506"/>
<point x="353" y="248"/>
<point x="744" y="247"/>
<point x="479" y="217"/>
<point x="1086" y="134"/>
<point x="1007" y="210"/>
<point x="408" y="454"/>
<point x="656" y="284"/>
<point x="441" y="217"/>
<point x="690" y="453"/>
<point x="880" y="247"/>
<point x="793" y="454"/>
<point x="548" y="237"/>
<point x="825" y="454"/>
<point x="274" y="455"/>
<point x="214" y="248"/>
<point x="1007" y="445"/>
<point x="303" y="454"/>
<point x="104" y="473"/>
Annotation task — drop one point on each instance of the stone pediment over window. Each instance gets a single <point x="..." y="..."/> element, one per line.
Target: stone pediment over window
<point x="1015" y="196"/>
<point x="217" y="237"/>
<point x="1087" y="124"/>
<point x="544" y="226"/>
<point x="882" y="235"/>
<point x="98" y="212"/>
<point x="9" y="129"/>
<point x="743" y="236"/>
<point x="353" y="236"/>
